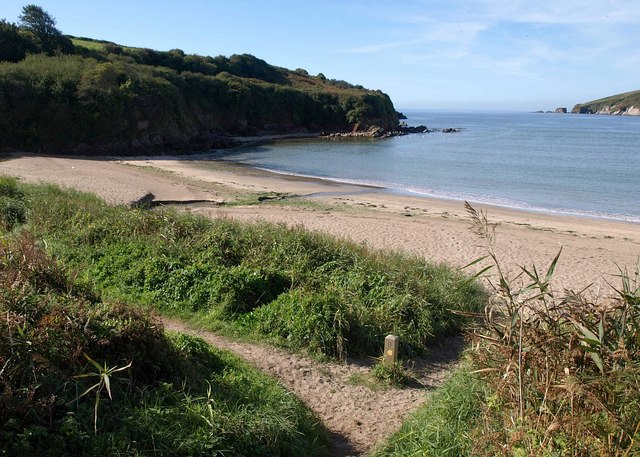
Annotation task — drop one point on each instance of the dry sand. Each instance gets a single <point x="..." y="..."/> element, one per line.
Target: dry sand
<point x="592" y="251"/>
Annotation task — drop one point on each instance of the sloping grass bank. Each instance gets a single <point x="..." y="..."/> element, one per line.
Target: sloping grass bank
<point x="82" y="377"/>
<point x="298" y="289"/>
<point x="443" y="426"/>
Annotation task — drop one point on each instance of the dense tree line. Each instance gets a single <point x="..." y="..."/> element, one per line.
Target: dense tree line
<point x="59" y="92"/>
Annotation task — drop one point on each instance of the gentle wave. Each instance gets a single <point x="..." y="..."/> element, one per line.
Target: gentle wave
<point x="567" y="165"/>
<point x="462" y="197"/>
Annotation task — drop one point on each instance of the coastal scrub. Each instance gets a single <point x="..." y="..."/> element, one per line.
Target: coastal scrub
<point x="81" y="376"/>
<point x="296" y="288"/>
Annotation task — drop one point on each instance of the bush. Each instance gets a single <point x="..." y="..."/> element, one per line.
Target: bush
<point x="12" y="212"/>
<point x="9" y="187"/>
<point x="12" y="207"/>
<point x="564" y="370"/>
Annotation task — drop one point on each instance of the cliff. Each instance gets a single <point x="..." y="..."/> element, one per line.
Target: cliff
<point x="103" y="97"/>
<point x="627" y="103"/>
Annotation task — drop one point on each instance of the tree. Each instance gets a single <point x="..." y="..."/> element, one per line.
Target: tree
<point x="13" y="45"/>
<point x="43" y="26"/>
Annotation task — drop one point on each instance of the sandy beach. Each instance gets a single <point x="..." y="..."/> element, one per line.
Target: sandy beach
<point x="438" y="230"/>
<point x="356" y="417"/>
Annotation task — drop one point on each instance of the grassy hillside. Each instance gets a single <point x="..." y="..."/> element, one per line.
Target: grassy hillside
<point x="95" y="96"/>
<point x="615" y="104"/>
<point x="82" y="376"/>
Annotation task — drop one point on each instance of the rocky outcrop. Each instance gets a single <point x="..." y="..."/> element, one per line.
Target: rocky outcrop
<point x="615" y="110"/>
<point x="379" y="132"/>
<point x="561" y="110"/>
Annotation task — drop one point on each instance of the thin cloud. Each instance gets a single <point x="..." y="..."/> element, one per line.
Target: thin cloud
<point x="456" y="32"/>
<point x="567" y="12"/>
<point x="462" y="33"/>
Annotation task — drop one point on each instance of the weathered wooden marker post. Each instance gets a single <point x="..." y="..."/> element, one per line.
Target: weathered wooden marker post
<point x="391" y="343"/>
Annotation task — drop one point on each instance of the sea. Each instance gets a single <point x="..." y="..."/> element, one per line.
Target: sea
<point x="580" y="165"/>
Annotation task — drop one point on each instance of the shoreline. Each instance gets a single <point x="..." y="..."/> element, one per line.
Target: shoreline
<point x="623" y="218"/>
<point x="560" y="213"/>
<point x="455" y="196"/>
<point x="430" y="228"/>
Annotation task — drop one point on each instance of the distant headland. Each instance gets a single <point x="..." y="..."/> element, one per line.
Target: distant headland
<point x="627" y="104"/>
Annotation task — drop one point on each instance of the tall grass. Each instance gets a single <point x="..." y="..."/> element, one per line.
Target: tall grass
<point x="546" y="374"/>
<point x="564" y="368"/>
<point x="299" y="289"/>
<point x="157" y="394"/>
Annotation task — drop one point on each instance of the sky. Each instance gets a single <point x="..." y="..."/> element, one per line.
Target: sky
<point x="520" y="55"/>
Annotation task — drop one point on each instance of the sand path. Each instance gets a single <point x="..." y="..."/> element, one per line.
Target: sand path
<point x="357" y="417"/>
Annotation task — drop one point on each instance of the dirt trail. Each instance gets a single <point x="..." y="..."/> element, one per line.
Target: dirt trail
<point x="356" y="417"/>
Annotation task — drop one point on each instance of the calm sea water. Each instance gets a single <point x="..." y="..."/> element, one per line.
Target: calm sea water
<point x="572" y="164"/>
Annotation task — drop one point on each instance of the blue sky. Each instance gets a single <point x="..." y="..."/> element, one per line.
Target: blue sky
<point x="520" y="55"/>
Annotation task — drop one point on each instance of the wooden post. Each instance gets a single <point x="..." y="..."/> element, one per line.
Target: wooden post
<point x="391" y="343"/>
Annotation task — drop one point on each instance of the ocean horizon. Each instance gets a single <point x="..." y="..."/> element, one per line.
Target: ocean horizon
<point x="568" y="164"/>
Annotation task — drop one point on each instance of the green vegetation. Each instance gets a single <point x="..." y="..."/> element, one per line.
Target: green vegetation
<point x="391" y="375"/>
<point x="85" y="95"/>
<point x="547" y="375"/>
<point x="616" y="104"/>
<point x="80" y="376"/>
<point x="442" y="427"/>
<point x="84" y="374"/>
<point x="298" y="289"/>
<point x="564" y="370"/>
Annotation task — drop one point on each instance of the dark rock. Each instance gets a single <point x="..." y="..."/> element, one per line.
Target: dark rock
<point x="561" y="110"/>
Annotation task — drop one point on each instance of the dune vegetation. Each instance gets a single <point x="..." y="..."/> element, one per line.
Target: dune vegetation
<point x="84" y="376"/>
<point x="298" y="289"/>
<point x="546" y="373"/>
<point x="108" y="380"/>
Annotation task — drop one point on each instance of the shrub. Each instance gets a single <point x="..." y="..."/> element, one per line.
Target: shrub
<point x="12" y="207"/>
<point x="9" y="187"/>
